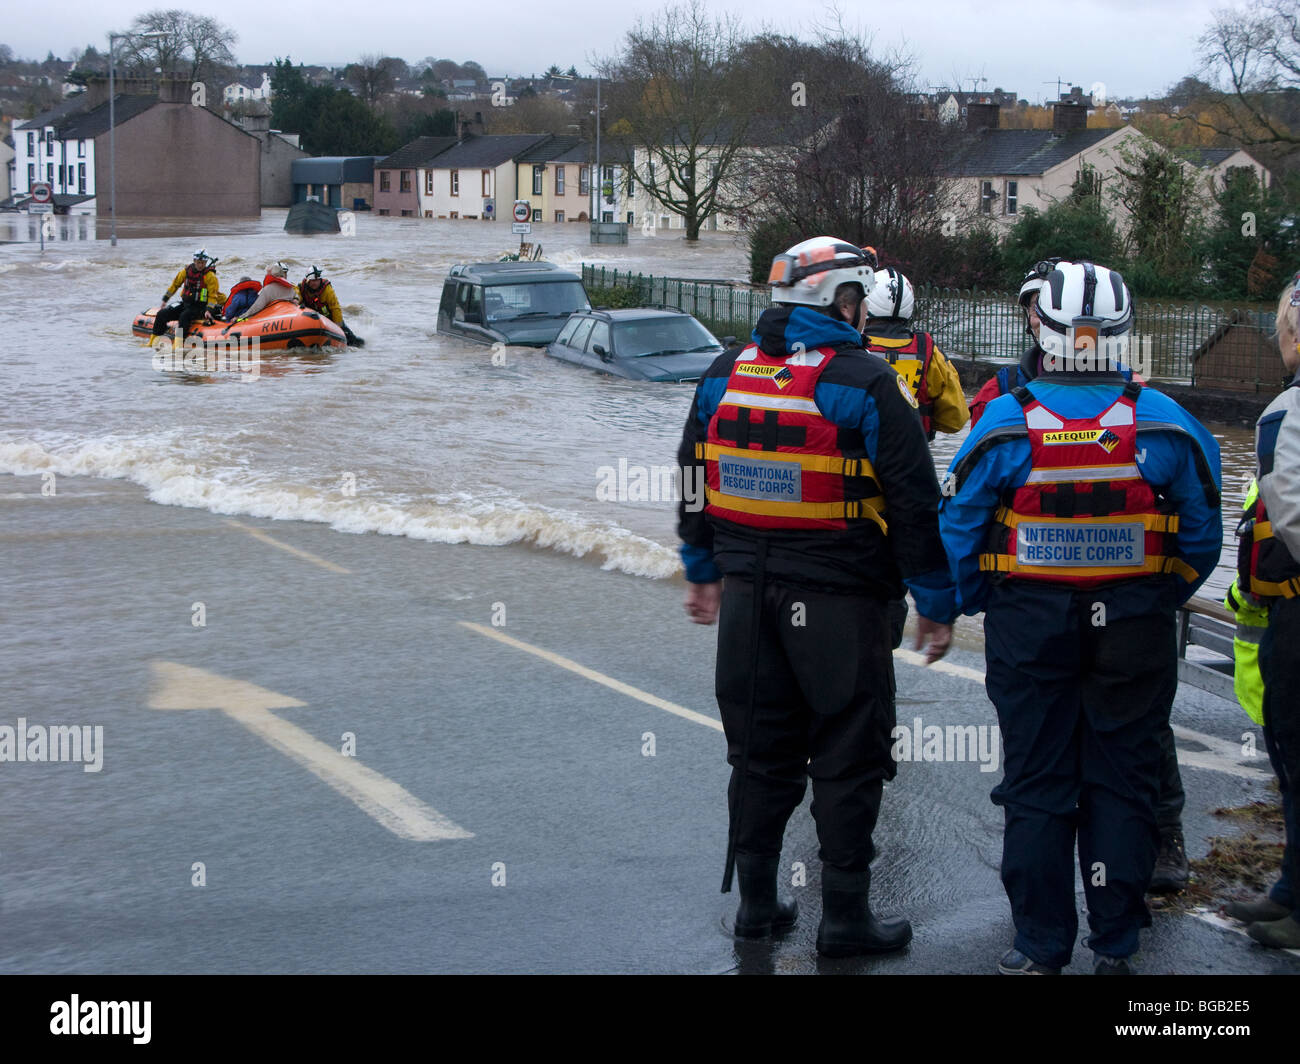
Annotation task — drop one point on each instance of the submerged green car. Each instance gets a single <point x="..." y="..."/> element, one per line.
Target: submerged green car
<point x="509" y="302"/>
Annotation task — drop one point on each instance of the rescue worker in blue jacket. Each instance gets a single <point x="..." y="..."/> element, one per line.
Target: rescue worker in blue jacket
<point x="1269" y="571"/>
<point x="1078" y="515"/>
<point x="820" y="501"/>
<point x="1171" y="870"/>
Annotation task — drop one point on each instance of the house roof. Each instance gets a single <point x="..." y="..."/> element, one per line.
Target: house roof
<point x="1020" y="151"/>
<point x="420" y="152"/>
<point x="488" y="150"/>
<point x="52" y="117"/>
<point x="549" y="151"/>
<point x="1210" y="157"/>
<point x="90" y="124"/>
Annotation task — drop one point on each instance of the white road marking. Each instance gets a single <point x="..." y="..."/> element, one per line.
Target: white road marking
<point x="1212" y="918"/>
<point x="1220" y="755"/>
<point x="407" y="817"/>
<point x="594" y="676"/>
<point x="257" y="533"/>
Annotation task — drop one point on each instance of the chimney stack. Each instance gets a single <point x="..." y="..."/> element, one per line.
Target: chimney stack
<point x="1067" y="117"/>
<point x="982" y="116"/>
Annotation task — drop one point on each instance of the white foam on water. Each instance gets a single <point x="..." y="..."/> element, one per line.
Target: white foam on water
<point x="154" y="464"/>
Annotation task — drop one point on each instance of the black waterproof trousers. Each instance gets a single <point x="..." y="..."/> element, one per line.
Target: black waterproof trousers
<point x="821" y="676"/>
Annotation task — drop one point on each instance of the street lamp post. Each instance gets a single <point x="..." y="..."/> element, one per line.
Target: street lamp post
<point x="112" y="129"/>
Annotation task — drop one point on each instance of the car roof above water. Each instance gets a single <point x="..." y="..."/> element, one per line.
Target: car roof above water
<point x="633" y="313"/>
<point x="511" y="272"/>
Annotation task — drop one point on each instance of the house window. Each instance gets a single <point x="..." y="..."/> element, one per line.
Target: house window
<point x="49" y="173"/>
<point x="559" y="180"/>
<point x="385" y="181"/>
<point x="539" y="173"/>
<point x="537" y="214"/>
<point x="81" y="179"/>
<point x="485" y="179"/>
<point x="81" y="149"/>
<point x="584" y="180"/>
<point x="428" y="184"/>
<point x="455" y="184"/>
<point x="383" y="212"/>
<point x="72" y="172"/>
<point x="986" y="197"/>
<point x="559" y="216"/>
<point x="607" y="216"/>
<point x="31" y="175"/>
<point x="31" y="144"/>
<point x="1013" y="194"/>
<point x="407" y="214"/>
<point x="406" y="181"/>
<point x="428" y="214"/>
<point x="629" y="218"/>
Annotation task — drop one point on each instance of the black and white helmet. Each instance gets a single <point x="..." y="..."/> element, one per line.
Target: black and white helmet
<point x="1034" y="278"/>
<point x="892" y="297"/>
<point x="1087" y="315"/>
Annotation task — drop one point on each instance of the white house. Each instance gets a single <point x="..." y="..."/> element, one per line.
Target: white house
<point x="475" y="178"/>
<point x="244" y="90"/>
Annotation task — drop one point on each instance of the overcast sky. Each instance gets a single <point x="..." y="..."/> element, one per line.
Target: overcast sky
<point x="1132" y="47"/>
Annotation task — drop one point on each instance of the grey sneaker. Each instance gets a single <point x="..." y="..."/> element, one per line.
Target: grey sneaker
<point x="1014" y="962"/>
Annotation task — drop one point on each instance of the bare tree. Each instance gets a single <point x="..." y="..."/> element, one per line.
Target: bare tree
<point x="1253" y="56"/>
<point x="373" y="77"/>
<point x="676" y="85"/>
<point x="193" y="47"/>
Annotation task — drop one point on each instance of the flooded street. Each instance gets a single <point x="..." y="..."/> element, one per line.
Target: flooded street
<point x="416" y="435"/>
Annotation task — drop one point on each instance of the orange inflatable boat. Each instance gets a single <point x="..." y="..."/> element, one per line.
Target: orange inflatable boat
<point x="282" y="326"/>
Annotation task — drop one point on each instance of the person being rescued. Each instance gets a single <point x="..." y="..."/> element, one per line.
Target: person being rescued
<point x="200" y="292"/>
<point x="316" y="293"/>
<point x="275" y="286"/>
<point x="241" y="298"/>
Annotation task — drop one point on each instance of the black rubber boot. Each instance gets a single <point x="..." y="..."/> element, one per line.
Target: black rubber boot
<point x="1262" y="910"/>
<point x="761" y="912"/>
<point x="1169" y="875"/>
<point x="848" y="927"/>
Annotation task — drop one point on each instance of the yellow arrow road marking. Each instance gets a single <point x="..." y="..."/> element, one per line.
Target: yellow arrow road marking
<point x="406" y="816"/>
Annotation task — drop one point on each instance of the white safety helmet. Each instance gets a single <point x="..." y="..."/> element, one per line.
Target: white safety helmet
<point x="892" y="296"/>
<point x="811" y="271"/>
<point x="278" y="270"/>
<point x="1034" y="278"/>
<point x="1087" y="315"/>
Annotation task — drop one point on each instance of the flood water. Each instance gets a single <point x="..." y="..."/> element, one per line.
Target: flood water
<point x="415" y="435"/>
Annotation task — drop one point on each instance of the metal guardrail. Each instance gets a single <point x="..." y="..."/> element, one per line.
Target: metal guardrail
<point x="974" y="324"/>
<point x="1210" y="626"/>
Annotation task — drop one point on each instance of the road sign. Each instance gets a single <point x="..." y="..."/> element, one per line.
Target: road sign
<point x="523" y="210"/>
<point x="522" y="228"/>
<point x="42" y="193"/>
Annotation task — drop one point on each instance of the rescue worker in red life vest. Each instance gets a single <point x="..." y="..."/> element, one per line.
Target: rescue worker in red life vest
<point x="1171" y="870"/>
<point x="915" y="357"/>
<point x="200" y="292"/>
<point x="809" y="488"/>
<point x="1269" y="569"/>
<point x="315" y="292"/>
<point x="1079" y="514"/>
<point x="275" y="287"/>
<point x="241" y="298"/>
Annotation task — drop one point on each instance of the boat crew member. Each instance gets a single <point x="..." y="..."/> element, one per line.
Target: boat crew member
<point x="1082" y="510"/>
<point x="821" y="502"/>
<point x="317" y="293"/>
<point x="1269" y="572"/>
<point x="200" y="292"/>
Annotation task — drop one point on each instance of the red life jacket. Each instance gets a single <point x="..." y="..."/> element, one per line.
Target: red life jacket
<point x="312" y="294"/>
<point x="193" y="287"/>
<point x="242" y="286"/>
<point x="773" y="461"/>
<point x="270" y="279"/>
<point x="911" y="361"/>
<point x="1264" y="565"/>
<point x="1084" y="516"/>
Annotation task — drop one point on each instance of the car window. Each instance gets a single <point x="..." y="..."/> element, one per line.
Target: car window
<point x="570" y="327"/>
<point x="599" y="335"/>
<point x="651" y="336"/>
<point x="579" y="339"/>
<point x="468" y="301"/>
<point x="558" y="298"/>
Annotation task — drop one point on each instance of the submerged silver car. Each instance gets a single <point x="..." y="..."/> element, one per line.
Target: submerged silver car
<point x="645" y="343"/>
